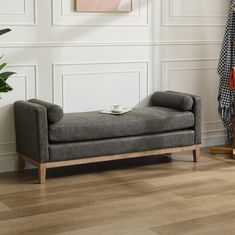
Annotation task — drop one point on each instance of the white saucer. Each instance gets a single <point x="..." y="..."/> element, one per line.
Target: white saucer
<point x="123" y="111"/>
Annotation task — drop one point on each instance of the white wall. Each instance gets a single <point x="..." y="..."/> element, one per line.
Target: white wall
<point x="90" y="61"/>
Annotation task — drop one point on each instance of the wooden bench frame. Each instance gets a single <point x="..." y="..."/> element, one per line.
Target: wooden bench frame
<point x="43" y="166"/>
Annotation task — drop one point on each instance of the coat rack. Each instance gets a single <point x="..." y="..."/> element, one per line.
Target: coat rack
<point x="226" y="150"/>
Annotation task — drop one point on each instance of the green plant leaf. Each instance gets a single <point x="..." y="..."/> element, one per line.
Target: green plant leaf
<point x="6" y="75"/>
<point x="2" y="65"/>
<point x="3" y="31"/>
<point x="4" y="87"/>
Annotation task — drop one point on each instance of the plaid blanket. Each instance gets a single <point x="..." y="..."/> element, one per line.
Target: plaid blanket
<point x="226" y="96"/>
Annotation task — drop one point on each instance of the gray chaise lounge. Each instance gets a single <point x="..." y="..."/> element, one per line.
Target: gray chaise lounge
<point x="47" y="138"/>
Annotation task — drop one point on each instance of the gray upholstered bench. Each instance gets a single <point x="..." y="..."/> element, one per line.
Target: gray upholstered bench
<point x="47" y="138"/>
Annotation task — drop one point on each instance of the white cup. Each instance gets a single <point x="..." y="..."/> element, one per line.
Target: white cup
<point x="116" y="108"/>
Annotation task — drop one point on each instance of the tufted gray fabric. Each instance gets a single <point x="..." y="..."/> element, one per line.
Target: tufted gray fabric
<point x="141" y="121"/>
<point x="31" y="130"/>
<point x="54" y="112"/>
<point x="76" y="150"/>
<point x="172" y="100"/>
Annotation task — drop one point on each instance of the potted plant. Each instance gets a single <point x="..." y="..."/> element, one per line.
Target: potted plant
<point x="4" y="86"/>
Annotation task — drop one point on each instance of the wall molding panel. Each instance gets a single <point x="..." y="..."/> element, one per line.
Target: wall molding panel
<point x="63" y="14"/>
<point x="108" y="44"/>
<point x="193" y="13"/>
<point x="28" y="73"/>
<point x="18" y="13"/>
<point x="113" y="83"/>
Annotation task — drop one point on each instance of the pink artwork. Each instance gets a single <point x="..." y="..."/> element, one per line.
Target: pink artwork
<point x="103" y="5"/>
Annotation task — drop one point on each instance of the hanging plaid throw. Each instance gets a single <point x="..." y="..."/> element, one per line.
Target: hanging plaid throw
<point x="226" y="70"/>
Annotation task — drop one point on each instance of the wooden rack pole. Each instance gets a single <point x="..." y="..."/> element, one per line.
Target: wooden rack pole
<point x="225" y="150"/>
<point x="220" y="150"/>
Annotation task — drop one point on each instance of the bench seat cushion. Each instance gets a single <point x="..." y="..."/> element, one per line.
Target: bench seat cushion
<point x="96" y="148"/>
<point x="96" y="126"/>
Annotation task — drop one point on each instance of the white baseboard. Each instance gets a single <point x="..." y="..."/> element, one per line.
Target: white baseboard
<point x="213" y="141"/>
<point x="8" y="162"/>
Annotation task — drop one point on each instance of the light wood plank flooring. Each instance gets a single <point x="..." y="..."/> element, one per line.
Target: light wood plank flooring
<point x="149" y="196"/>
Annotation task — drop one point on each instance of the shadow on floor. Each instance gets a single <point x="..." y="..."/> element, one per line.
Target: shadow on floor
<point x="105" y="166"/>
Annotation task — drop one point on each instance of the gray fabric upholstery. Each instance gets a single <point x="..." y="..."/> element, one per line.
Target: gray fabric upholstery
<point x="196" y="109"/>
<point x="172" y="100"/>
<point x="31" y="130"/>
<point x="76" y="150"/>
<point x="95" y="126"/>
<point x="54" y="112"/>
<point x="92" y="134"/>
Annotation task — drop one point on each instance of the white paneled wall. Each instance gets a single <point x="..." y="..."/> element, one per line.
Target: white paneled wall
<point x="63" y="14"/>
<point x="105" y="80"/>
<point x="20" y="12"/>
<point x="191" y="12"/>
<point x="88" y="61"/>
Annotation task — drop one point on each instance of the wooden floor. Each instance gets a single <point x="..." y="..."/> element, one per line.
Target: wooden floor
<point x="147" y="196"/>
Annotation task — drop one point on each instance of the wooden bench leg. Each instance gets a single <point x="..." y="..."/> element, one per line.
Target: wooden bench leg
<point x="21" y="163"/>
<point x="196" y="154"/>
<point x="42" y="173"/>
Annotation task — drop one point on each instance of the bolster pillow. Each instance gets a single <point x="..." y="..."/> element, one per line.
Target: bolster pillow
<point x="54" y="112"/>
<point x="172" y="100"/>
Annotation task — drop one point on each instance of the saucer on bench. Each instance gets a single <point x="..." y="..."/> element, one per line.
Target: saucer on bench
<point x="123" y="111"/>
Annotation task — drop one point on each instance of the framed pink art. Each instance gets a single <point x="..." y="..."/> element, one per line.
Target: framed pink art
<point x="103" y="5"/>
